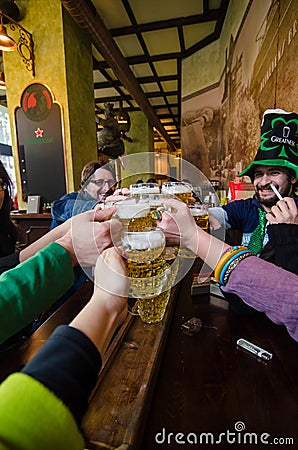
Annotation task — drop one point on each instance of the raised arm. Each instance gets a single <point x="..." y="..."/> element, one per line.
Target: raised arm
<point x="260" y="284"/>
<point x="55" y="385"/>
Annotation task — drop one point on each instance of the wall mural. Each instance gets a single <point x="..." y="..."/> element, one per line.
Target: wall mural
<point x="221" y="124"/>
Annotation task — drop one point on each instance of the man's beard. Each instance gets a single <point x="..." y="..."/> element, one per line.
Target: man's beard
<point x="285" y="192"/>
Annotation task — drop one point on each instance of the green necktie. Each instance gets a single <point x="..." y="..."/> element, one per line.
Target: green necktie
<point x="257" y="238"/>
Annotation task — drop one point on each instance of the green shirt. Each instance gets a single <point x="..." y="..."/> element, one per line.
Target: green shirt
<point x="33" y="418"/>
<point x="32" y="286"/>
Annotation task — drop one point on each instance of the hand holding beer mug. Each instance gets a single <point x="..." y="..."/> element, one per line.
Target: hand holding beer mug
<point x="147" y="270"/>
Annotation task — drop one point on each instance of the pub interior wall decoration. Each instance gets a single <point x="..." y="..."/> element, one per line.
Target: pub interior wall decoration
<point x="221" y="121"/>
<point x="40" y="144"/>
<point x="109" y="138"/>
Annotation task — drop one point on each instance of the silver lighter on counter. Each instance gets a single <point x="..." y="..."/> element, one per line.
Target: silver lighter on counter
<point x="254" y="349"/>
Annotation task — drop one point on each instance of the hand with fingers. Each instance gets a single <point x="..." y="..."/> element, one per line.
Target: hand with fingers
<point x="177" y="223"/>
<point x="284" y="211"/>
<point x="119" y="194"/>
<point x="89" y="234"/>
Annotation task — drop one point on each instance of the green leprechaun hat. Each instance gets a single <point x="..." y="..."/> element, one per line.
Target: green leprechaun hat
<point x="279" y="147"/>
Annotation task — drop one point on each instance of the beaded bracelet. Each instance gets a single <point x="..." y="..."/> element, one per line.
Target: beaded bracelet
<point x="227" y="258"/>
<point x="232" y="265"/>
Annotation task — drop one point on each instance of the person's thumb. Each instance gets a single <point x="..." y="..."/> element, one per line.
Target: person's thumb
<point x="100" y="215"/>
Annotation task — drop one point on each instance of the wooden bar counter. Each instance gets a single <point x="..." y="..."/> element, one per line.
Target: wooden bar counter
<point x="31" y="226"/>
<point x="162" y="389"/>
<point x="206" y="384"/>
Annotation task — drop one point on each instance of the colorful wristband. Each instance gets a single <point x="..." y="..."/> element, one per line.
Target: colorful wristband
<point x="225" y="273"/>
<point x="225" y="258"/>
<point x="232" y="266"/>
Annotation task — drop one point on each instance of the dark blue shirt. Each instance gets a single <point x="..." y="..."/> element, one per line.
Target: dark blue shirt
<point x="242" y="215"/>
<point x="70" y="205"/>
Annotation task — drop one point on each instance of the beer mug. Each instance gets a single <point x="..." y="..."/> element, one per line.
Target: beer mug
<point x="200" y="215"/>
<point x="147" y="271"/>
<point x="152" y="310"/>
<point x="141" y="189"/>
<point x="181" y="190"/>
<point x="135" y="214"/>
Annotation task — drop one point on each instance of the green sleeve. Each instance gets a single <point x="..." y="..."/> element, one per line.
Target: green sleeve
<point x="32" y="417"/>
<point x="32" y="287"/>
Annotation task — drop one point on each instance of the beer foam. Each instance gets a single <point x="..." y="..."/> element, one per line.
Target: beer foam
<point x="176" y="189"/>
<point x="130" y="209"/>
<point x="143" y="240"/>
<point x="198" y="212"/>
<point x="145" y="190"/>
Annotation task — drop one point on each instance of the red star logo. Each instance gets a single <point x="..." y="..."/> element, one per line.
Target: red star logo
<point x="38" y="132"/>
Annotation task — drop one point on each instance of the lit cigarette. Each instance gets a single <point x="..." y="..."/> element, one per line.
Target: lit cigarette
<point x="276" y="192"/>
<point x="254" y="349"/>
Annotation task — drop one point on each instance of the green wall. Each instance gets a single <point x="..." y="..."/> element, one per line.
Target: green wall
<point x="80" y="91"/>
<point x="142" y="142"/>
<point x="63" y="62"/>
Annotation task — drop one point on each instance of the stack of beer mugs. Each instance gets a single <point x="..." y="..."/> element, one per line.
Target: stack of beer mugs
<point x="151" y="193"/>
<point x="143" y="246"/>
<point x="148" y="272"/>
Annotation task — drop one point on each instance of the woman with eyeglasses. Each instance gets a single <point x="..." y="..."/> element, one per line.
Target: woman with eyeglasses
<point x="8" y="230"/>
<point x="98" y="182"/>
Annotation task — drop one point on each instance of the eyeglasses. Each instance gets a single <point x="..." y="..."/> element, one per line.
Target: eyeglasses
<point x="3" y="186"/>
<point x="101" y="183"/>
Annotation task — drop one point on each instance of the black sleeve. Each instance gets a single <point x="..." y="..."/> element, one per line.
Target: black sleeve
<point x="9" y="262"/>
<point x="284" y="237"/>
<point x="68" y="365"/>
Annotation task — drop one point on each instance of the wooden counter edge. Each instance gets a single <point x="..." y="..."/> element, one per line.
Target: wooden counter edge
<point x="99" y="425"/>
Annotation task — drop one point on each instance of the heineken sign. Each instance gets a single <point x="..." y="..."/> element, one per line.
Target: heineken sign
<point x="40" y="144"/>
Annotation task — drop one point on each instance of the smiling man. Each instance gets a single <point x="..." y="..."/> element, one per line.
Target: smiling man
<point x="276" y="162"/>
<point x="98" y="181"/>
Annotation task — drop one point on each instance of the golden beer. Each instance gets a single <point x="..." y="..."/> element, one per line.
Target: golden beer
<point x="134" y="214"/>
<point x="200" y="215"/>
<point x="179" y="189"/>
<point x="147" y="271"/>
<point x="185" y="197"/>
<point x="152" y="310"/>
<point x="147" y="278"/>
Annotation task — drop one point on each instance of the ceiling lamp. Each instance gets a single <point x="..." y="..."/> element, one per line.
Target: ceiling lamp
<point x="23" y="42"/>
<point x="6" y="43"/>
